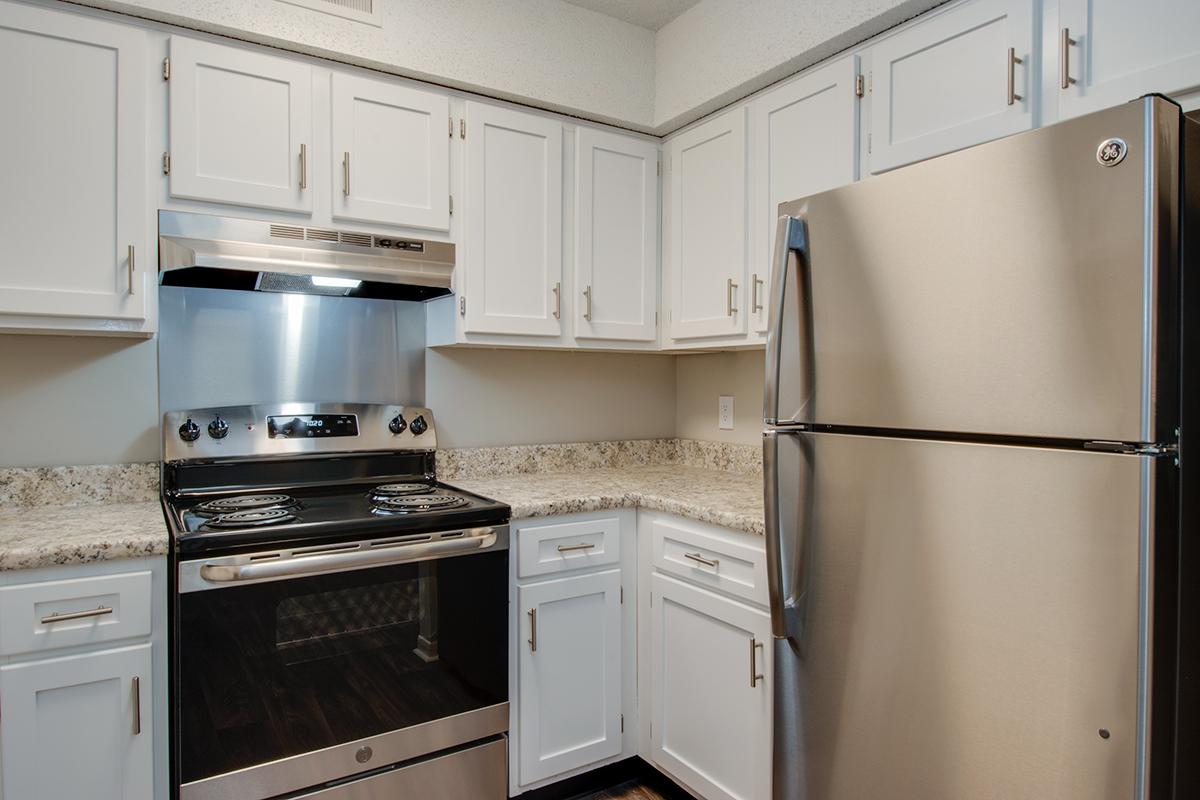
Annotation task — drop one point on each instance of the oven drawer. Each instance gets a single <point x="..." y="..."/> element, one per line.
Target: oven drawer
<point x="36" y="617"/>
<point x="728" y="561"/>
<point x="476" y="773"/>
<point x="543" y="548"/>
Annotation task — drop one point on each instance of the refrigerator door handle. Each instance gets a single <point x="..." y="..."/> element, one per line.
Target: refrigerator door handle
<point x="789" y="283"/>
<point x="786" y="541"/>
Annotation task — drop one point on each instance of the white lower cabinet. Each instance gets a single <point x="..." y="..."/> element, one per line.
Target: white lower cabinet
<point x="570" y="673"/>
<point x="710" y="727"/>
<point x="78" y="726"/>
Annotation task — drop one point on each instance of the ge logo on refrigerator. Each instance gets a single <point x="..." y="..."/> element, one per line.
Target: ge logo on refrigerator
<point x="1111" y="152"/>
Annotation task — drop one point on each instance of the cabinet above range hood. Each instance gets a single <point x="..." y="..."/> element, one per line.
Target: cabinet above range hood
<point x="211" y="252"/>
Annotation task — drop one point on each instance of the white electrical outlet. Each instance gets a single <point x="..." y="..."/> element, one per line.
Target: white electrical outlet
<point x="725" y="413"/>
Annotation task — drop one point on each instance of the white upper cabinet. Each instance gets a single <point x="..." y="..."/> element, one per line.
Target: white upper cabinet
<point x="944" y="83"/>
<point x="512" y="247"/>
<point x="79" y="726"/>
<point x="73" y="212"/>
<point x="706" y="244"/>
<point x="390" y="154"/>
<point x="570" y="674"/>
<point x="1119" y="50"/>
<point x="710" y="687"/>
<point x="616" y="236"/>
<point x="805" y="140"/>
<point x="241" y="127"/>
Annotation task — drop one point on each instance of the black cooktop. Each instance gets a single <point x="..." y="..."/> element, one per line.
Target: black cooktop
<point x="242" y="518"/>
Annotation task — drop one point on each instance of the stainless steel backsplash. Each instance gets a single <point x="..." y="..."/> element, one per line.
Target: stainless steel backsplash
<point x="219" y="347"/>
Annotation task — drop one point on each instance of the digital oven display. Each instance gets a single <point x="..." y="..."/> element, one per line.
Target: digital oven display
<point x="312" y="426"/>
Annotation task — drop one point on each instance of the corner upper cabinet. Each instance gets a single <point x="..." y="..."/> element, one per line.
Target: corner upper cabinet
<point x="706" y="228"/>
<point x="73" y="157"/>
<point x="616" y="237"/>
<point x="943" y="84"/>
<point x="1118" y="51"/>
<point x="805" y="140"/>
<point x="511" y="256"/>
<point x="390" y="154"/>
<point x="241" y="127"/>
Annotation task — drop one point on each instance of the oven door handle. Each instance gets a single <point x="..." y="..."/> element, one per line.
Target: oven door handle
<point x="244" y="568"/>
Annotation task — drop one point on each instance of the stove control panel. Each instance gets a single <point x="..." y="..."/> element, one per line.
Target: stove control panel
<point x="295" y="429"/>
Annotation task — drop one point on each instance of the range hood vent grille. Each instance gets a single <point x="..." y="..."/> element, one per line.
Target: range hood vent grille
<point x="326" y="235"/>
<point x="287" y="232"/>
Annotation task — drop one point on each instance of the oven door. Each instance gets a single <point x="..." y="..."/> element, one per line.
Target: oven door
<point x="298" y="668"/>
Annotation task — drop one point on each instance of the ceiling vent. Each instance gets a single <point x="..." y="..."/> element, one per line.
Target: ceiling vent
<point x="368" y="11"/>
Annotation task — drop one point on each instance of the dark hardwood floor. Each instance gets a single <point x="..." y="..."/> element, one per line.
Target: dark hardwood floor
<point x="630" y="790"/>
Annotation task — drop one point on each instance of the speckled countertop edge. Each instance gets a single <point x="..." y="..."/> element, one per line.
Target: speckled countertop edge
<point x="47" y="536"/>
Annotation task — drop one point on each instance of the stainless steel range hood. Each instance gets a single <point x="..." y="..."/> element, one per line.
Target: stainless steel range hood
<point x="213" y="252"/>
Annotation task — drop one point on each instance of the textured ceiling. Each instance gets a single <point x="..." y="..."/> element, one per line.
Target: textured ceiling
<point x="651" y="14"/>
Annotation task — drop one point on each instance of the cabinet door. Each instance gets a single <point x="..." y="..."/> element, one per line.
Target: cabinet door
<point x="616" y="236"/>
<point x="570" y="674"/>
<point x="241" y="127"/>
<point x="942" y="84"/>
<point x="707" y="228"/>
<point x="70" y="727"/>
<point x="512" y="249"/>
<point x="710" y="724"/>
<point x="805" y="141"/>
<point x="72" y="153"/>
<point x="1119" y="51"/>
<point x="391" y="155"/>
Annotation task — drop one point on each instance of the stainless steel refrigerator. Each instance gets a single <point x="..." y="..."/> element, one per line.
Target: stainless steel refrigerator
<point x="973" y="482"/>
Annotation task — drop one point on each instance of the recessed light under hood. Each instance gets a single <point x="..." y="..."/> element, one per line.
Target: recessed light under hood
<point x="211" y="252"/>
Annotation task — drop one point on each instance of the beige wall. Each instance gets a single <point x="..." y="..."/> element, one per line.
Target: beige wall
<point x="498" y="397"/>
<point x="702" y="378"/>
<point x="77" y="400"/>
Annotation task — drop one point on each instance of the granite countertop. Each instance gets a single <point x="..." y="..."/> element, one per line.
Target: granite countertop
<point x="730" y="499"/>
<point x="46" y="536"/>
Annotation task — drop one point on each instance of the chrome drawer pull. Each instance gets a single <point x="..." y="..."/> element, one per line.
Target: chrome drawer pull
<point x="702" y="560"/>
<point x="567" y="548"/>
<point x="92" y="612"/>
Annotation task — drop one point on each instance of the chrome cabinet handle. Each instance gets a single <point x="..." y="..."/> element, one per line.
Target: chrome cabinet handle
<point x="131" y="267"/>
<point x="730" y="288"/>
<point x="755" y="304"/>
<point x="755" y="675"/>
<point x="587" y="296"/>
<point x="532" y="630"/>
<point x="1013" y="97"/>
<point x="232" y="569"/>
<point x="91" y="612"/>
<point x="567" y="548"/>
<point x="702" y="560"/>
<point x="346" y="173"/>
<point x="137" y="705"/>
<point x="303" y="166"/>
<point x="557" y="300"/>
<point x="1064" y="58"/>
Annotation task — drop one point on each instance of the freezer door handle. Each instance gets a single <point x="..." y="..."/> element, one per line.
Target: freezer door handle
<point x="789" y="328"/>
<point x="787" y="463"/>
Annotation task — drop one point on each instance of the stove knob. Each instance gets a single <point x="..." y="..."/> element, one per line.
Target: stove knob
<point x="419" y="426"/>
<point x="218" y="428"/>
<point x="398" y="425"/>
<point x="189" y="431"/>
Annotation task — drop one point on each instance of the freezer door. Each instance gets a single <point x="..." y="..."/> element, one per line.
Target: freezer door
<point x="961" y="620"/>
<point x="1016" y="288"/>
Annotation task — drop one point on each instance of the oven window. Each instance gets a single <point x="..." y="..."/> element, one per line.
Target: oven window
<point x="281" y="668"/>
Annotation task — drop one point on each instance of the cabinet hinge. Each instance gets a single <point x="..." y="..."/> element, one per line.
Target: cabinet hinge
<point x="451" y="204"/>
<point x="167" y="69"/>
<point x="660" y="169"/>
<point x="166" y="164"/>
<point x="870" y="81"/>
<point x="622" y="723"/>
<point x="656" y="319"/>
<point x="860" y="85"/>
<point x="462" y="305"/>
<point x="868" y="143"/>
<point x="462" y="128"/>
<point x="1157" y="449"/>
<point x="622" y="595"/>
<point x="450" y="126"/>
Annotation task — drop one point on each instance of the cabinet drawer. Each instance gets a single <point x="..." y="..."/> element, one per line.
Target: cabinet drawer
<point x="43" y="616"/>
<point x="711" y="557"/>
<point x="557" y="547"/>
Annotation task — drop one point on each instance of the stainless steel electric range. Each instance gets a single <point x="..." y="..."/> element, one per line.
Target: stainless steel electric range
<point x="340" y="620"/>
